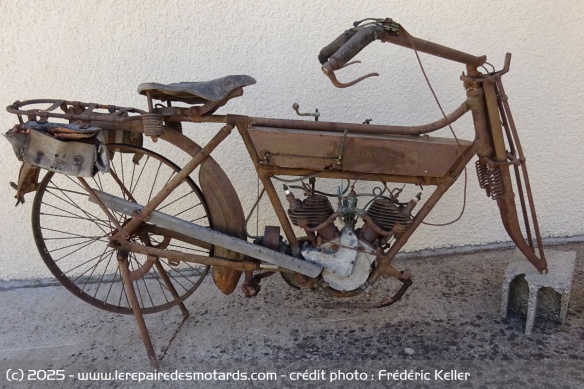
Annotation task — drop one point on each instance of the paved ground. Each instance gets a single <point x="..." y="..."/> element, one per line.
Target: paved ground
<point x="449" y="320"/>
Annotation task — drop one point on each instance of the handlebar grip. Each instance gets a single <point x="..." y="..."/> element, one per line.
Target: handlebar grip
<point x="335" y="45"/>
<point x="354" y="45"/>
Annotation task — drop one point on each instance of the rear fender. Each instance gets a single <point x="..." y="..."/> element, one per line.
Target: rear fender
<point x="223" y="204"/>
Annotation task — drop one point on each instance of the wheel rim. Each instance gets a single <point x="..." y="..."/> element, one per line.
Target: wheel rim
<point x="72" y="234"/>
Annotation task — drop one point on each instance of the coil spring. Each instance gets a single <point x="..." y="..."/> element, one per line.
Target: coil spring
<point x="483" y="176"/>
<point x="496" y="183"/>
<point x="152" y="125"/>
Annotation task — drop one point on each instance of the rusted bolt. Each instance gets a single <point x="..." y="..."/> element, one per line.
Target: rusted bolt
<point x="139" y="215"/>
<point x="335" y="247"/>
<point x="114" y="244"/>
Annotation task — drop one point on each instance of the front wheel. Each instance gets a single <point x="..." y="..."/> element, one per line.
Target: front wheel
<point x="72" y="234"/>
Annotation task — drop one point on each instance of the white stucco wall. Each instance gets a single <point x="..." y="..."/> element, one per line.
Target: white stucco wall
<point x="100" y="51"/>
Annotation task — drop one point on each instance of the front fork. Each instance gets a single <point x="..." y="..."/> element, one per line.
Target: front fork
<point x="493" y="125"/>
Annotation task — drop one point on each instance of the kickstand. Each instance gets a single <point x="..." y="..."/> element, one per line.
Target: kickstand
<point x="171" y="287"/>
<point x="134" y="304"/>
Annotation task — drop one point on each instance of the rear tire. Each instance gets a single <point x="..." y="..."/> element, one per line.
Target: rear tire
<point x="72" y="234"/>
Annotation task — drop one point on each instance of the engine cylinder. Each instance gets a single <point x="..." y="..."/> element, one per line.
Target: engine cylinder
<point x="312" y="212"/>
<point x="315" y="209"/>
<point x="385" y="214"/>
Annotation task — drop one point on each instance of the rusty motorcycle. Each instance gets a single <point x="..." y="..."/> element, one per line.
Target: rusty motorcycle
<point x="140" y="236"/>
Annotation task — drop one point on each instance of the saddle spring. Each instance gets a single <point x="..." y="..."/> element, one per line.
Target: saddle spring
<point x="152" y="125"/>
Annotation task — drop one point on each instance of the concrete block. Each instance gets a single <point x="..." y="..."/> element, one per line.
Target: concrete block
<point x="527" y="292"/>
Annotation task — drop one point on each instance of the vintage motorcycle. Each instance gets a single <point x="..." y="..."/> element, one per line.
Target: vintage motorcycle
<point x="127" y="230"/>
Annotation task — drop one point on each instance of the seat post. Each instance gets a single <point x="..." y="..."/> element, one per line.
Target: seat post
<point x="150" y="103"/>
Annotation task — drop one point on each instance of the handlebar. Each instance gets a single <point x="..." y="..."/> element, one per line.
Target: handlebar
<point x="352" y="41"/>
<point x="335" y="45"/>
<point x="354" y="45"/>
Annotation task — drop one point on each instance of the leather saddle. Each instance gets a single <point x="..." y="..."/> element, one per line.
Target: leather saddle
<point x="215" y="91"/>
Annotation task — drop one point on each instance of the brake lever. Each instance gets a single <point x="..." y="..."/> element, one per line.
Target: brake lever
<point x="327" y="69"/>
<point x="350" y="63"/>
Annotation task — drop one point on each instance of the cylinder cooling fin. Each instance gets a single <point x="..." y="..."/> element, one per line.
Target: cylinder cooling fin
<point x="313" y="211"/>
<point x="386" y="214"/>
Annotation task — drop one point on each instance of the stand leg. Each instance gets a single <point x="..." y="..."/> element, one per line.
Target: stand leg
<point x="170" y="287"/>
<point x="125" y="271"/>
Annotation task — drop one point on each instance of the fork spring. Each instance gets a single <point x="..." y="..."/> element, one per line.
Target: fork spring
<point x="483" y="176"/>
<point x="496" y="183"/>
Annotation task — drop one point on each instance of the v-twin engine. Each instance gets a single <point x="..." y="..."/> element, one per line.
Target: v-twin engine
<point x="348" y="255"/>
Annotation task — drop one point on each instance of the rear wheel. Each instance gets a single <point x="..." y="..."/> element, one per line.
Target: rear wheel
<point x="72" y="234"/>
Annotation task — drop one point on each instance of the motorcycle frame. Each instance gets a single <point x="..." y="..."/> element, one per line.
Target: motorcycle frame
<point x="493" y="123"/>
<point x="496" y="143"/>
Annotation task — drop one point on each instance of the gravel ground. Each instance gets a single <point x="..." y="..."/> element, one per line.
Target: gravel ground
<point x="448" y="321"/>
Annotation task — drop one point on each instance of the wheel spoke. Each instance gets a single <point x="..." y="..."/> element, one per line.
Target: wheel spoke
<point x="103" y="274"/>
<point x="73" y="252"/>
<point x="154" y="183"/>
<point x="67" y="190"/>
<point x="77" y="236"/>
<point x="76" y="244"/>
<point x="93" y="268"/>
<point x="77" y="206"/>
<point x="132" y="180"/>
<point x="122" y="168"/>
<point x="70" y="202"/>
<point x="81" y="264"/>
<point x="140" y="175"/>
<point x="188" y="209"/>
<point x="73" y="217"/>
<point x="78" y="184"/>
<point x="197" y="219"/>
<point x="73" y="238"/>
<point x="170" y="274"/>
<point x="100" y="185"/>
<point x="163" y="286"/>
<point x="174" y="201"/>
<point x="112" y="283"/>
